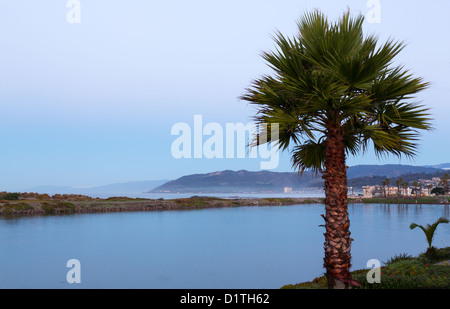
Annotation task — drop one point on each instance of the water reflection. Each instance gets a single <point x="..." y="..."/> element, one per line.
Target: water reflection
<point x="400" y="209"/>
<point x="241" y="247"/>
<point x="386" y="208"/>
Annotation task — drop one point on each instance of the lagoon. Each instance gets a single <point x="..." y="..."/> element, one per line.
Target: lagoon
<point x="227" y="248"/>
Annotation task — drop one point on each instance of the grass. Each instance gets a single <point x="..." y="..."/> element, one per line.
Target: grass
<point x="59" y="207"/>
<point x="197" y="201"/>
<point x="124" y="199"/>
<point x="399" y="272"/>
<point x="278" y="200"/>
<point x="44" y="204"/>
<point x="9" y="196"/>
<point x="9" y="209"/>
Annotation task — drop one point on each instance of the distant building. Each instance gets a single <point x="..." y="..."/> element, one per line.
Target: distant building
<point x="287" y="190"/>
<point x="406" y="192"/>
<point x="372" y="191"/>
<point x="392" y="191"/>
<point x="379" y="191"/>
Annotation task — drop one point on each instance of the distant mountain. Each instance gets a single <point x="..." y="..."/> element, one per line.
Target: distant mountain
<point x="245" y="181"/>
<point x="387" y="170"/>
<point x="265" y="181"/>
<point x="377" y="180"/>
<point x="115" y="189"/>
<point x="240" y="181"/>
<point x="444" y="166"/>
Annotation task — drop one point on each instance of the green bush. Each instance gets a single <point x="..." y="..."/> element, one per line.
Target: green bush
<point x="21" y="206"/>
<point x="409" y="274"/>
<point x="60" y="207"/>
<point x="9" y="209"/>
<point x="10" y="196"/>
<point x="401" y="272"/>
<point x="44" y="196"/>
<point x="440" y="255"/>
<point x="402" y="256"/>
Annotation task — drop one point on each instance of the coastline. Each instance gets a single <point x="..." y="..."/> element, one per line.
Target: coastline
<point x="71" y="204"/>
<point x="52" y="206"/>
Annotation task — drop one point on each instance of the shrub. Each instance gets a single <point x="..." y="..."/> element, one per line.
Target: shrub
<point x="438" y="191"/>
<point x="429" y="231"/>
<point x="409" y="274"/>
<point x="60" y="207"/>
<point x="7" y="210"/>
<point x="401" y="256"/>
<point x="44" y="196"/>
<point x="22" y="206"/>
<point x="402" y="272"/>
<point x="10" y="196"/>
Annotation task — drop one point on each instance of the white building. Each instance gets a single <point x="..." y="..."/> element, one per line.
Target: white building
<point x="379" y="191"/>
<point x="287" y="190"/>
<point x="372" y="191"/>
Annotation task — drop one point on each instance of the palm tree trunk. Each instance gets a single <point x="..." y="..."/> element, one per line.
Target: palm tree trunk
<point x="337" y="236"/>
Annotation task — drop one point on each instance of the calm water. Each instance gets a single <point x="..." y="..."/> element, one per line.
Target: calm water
<point x="244" y="247"/>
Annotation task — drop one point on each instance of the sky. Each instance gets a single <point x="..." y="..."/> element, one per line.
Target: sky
<point x="90" y="90"/>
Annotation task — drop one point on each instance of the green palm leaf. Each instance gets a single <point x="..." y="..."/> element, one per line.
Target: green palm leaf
<point x="334" y="92"/>
<point x="428" y="229"/>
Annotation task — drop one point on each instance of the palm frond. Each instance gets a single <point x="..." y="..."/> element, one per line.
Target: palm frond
<point x="330" y="73"/>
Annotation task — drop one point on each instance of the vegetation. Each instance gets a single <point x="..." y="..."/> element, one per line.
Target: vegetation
<point x="429" y="231"/>
<point x="386" y="185"/>
<point x="9" y="196"/>
<point x="123" y="198"/>
<point x="334" y="92"/>
<point x="444" y="183"/>
<point x="399" y="257"/>
<point x="399" y="182"/>
<point x="191" y="202"/>
<point x="438" y="191"/>
<point x="399" y="272"/>
<point x="45" y="196"/>
<point x="280" y="200"/>
<point x="60" y="207"/>
<point x="11" y="208"/>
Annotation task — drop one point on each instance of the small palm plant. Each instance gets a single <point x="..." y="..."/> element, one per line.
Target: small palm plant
<point x="429" y="233"/>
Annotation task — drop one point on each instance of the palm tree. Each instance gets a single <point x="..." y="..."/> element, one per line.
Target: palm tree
<point x="399" y="182"/>
<point x="334" y="93"/>
<point x="405" y="186"/>
<point x="383" y="184"/>
<point x="429" y="233"/>
<point x="444" y="183"/>
<point x="416" y="188"/>
<point x="388" y="183"/>
<point x="429" y="187"/>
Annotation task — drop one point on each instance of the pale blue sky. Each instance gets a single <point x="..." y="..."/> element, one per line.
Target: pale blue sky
<point x="93" y="103"/>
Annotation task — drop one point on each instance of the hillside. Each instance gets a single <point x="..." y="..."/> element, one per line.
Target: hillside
<point x="377" y="180"/>
<point x="240" y="181"/>
<point x="388" y="170"/>
<point x="265" y="181"/>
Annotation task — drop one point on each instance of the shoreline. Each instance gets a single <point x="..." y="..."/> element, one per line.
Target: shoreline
<point x="75" y="204"/>
<point x="37" y="207"/>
